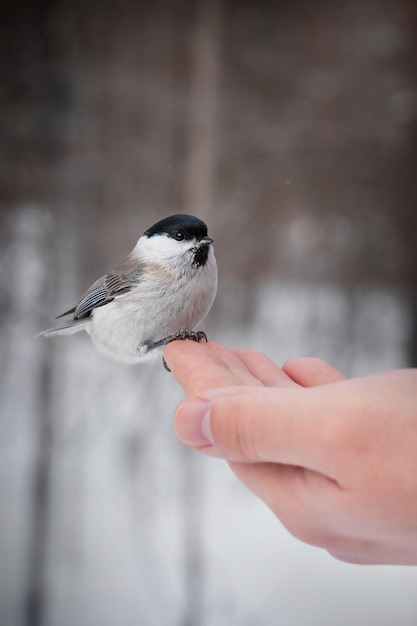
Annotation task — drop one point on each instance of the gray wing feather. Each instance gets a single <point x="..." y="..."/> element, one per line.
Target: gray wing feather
<point x="122" y="279"/>
<point x="97" y="295"/>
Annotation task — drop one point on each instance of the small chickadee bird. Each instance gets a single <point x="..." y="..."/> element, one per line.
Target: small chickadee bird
<point x="159" y="293"/>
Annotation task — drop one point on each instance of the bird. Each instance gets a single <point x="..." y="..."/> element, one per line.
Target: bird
<point x="159" y="293"/>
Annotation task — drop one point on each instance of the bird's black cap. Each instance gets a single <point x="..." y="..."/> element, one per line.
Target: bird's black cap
<point x="179" y="227"/>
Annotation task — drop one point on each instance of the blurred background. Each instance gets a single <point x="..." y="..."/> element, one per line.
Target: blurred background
<point x="290" y="128"/>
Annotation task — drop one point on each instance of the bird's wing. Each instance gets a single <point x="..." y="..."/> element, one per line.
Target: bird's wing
<point x="96" y="295"/>
<point x="121" y="280"/>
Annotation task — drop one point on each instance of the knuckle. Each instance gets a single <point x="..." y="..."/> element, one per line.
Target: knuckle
<point x="308" y="533"/>
<point x="245" y="439"/>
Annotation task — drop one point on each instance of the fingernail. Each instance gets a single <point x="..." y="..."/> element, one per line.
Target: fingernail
<point x="192" y="423"/>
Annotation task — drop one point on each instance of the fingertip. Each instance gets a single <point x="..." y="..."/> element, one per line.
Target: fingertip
<point x="170" y="354"/>
<point x="192" y="423"/>
<point x="181" y="345"/>
<point x="170" y="349"/>
<point x="179" y="350"/>
<point x="303" y="359"/>
<point x="311" y="371"/>
<point x="298" y="363"/>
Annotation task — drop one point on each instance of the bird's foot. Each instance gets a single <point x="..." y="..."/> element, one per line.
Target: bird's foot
<point x="187" y="333"/>
<point x="194" y="335"/>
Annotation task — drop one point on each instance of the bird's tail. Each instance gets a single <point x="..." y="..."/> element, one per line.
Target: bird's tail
<point x="68" y="328"/>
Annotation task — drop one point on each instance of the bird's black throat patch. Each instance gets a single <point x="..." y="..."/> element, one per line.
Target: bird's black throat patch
<point x="201" y="256"/>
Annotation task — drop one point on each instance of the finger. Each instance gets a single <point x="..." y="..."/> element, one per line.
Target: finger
<point x="302" y="500"/>
<point x="202" y="366"/>
<point x="313" y="508"/>
<point x="311" y="372"/>
<point x="258" y="424"/>
<point x="263" y="369"/>
<point x="321" y="428"/>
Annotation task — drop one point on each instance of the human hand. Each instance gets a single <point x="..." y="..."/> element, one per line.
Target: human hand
<point x="335" y="459"/>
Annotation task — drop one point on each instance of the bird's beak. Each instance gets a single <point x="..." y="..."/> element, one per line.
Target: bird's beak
<point x="206" y="241"/>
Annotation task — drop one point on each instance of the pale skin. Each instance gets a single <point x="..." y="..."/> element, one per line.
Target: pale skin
<point x="334" y="458"/>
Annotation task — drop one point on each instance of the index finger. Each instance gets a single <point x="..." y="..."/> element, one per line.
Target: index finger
<point x="203" y="366"/>
<point x="264" y="370"/>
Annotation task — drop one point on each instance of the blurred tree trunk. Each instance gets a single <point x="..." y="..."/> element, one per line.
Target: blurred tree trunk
<point x="198" y="195"/>
<point x="413" y="339"/>
<point x="30" y="364"/>
<point x="40" y="492"/>
<point x="204" y="95"/>
<point x="412" y="182"/>
<point x="403" y="182"/>
<point x="57" y="31"/>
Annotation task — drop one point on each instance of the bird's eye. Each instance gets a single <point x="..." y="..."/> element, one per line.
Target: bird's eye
<point x="179" y="236"/>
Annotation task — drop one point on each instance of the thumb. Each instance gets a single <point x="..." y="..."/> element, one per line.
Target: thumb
<point x="252" y="424"/>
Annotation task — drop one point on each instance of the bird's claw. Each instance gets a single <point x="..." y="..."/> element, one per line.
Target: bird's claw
<point x="194" y="335"/>
<point x="186" y="333"/>
<point x="165" y="364"/>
